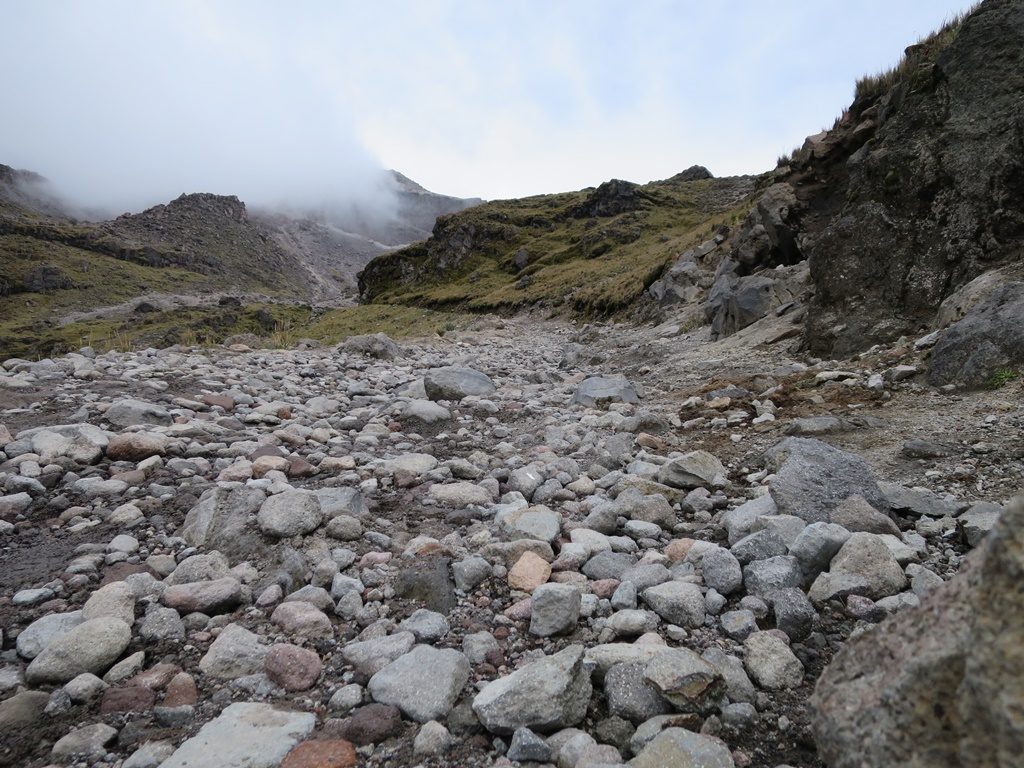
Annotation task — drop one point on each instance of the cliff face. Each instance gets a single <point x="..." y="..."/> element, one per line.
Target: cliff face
<point x="920" y="188"/>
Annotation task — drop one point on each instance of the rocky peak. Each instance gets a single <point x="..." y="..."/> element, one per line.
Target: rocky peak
<point x="197" y="205"/>
<point x="610" y="199"/>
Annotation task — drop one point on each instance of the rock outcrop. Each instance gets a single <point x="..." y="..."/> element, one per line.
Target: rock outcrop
<point x="941" y="685"/>
<point x="919" y="188"/>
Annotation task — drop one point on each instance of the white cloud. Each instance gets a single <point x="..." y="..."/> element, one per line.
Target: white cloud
<point x="131" y="102"/>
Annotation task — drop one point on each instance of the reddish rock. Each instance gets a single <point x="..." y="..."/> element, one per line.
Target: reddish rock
<point x="181" y="691"/>
<point x="324" y="753"/>
<point x="371" y="559"/>
<point x="291" y="667"/>
<point x="370" y="724"/>
<point x="677" y="549"/>
<point x="261" y="465"/>
<point x="520" y="611"/>
<point x="604" y="587"/>
<point x="530" y="571"/>
<point x="219" y="401"/>
<point x="136" y="446"/>
<point x="156" y="677"/>
<point x="132" y="477"/>
<point x="299" y="467"/>
<point x="121" y="571"/>
<point x="131" y="699"/>
<point x="302" y="618"/>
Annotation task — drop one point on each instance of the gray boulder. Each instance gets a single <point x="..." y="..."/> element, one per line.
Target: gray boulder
<point x="236" y="652"/>
<point x="128" y="413"/>
<point x="677" y="602"/>
<point x="762" y="577"/>
<point x="695" y="469"/>
<point x="544" y="695"/>
<point x="987" y="341"/>
<point x="453" y="383"/>
<point x="771" y="663"/>
<point x="555" y="609"/>
<point x="92" y="646"/>
<point x="722" y="571"/>
<point x="598" y="391"/>
<point x="290" y="513"/>
<point x="812" y="478"/>
<point x="44" y="630"/>
<point x="244" y="735"/>
<point x="222" y="521"/>
<point x="685" y="680"/>
<point x="866" y="555"/>
<point x="631" y="695"/>
<point x="682" y="748"/>
<point x="423" y="683"/>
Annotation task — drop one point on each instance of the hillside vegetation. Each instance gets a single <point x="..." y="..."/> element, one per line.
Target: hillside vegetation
<point x="591" y="252"/>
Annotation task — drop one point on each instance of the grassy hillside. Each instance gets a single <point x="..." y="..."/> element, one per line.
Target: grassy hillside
<point x="265" y="324"/>
<point x="591" y="252"/>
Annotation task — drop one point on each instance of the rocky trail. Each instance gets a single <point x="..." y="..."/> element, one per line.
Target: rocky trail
<point x="528" y="543"/>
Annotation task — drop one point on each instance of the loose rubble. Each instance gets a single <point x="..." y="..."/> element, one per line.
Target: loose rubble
<point x="472" y="550"/>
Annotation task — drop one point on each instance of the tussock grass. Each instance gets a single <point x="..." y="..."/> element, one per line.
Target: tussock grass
<point x="914" y="67"/>
<point x="273" y="325"/>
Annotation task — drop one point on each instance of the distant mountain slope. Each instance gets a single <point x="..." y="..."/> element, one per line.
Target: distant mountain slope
<point x="592" y="251"/>
<point x="54" y="267"/>
<point x="334" y="248"/>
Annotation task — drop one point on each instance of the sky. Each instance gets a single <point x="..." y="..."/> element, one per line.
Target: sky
<point x="124" y="104"/>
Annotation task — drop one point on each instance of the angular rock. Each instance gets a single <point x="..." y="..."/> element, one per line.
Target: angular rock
<point x="555" y="609"/>
<point x="543" y="695"/>
<point x="771" y="663"/>
<point x="936" y="682"/>
<point x="867" y="556"/>
<point x="129" y="412"/>
<point x="244" y="735"/>
<point x="453" y="383"/>
<point x="812" y="478"/>
<point x="92" y="646"/>
<point x="424" y="683"/>
<point x="236" y="652"/>
<point x="677" y="602"/>
<point x="696" y="469"/>
<point x="291" y="513"/>
<point x="685" y="680"/>
<point x="680" y="748"/>
<point x="598" y="391"/>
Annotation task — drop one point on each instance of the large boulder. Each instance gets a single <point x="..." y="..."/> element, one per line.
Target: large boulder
<point x="453" y="383"/>
<point x="291" y="513"/>
<point x="83" y="443"/>
<point x="598" y="391"/>
<point x="222" y="521"/>
<point x="987" y="342"/>
<point x="423" y="683"/>
<point x="734" y="302"/>
<point x="244" y="735"/>
<point x="92" y="646"/>
<point x="129" y="412"/>
<point x="939" y="685"/>
<point x="812" y="478"/>
<point x="544" y="695"/>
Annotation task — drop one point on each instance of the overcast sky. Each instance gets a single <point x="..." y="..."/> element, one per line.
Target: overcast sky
<point x="128" y="103"/>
